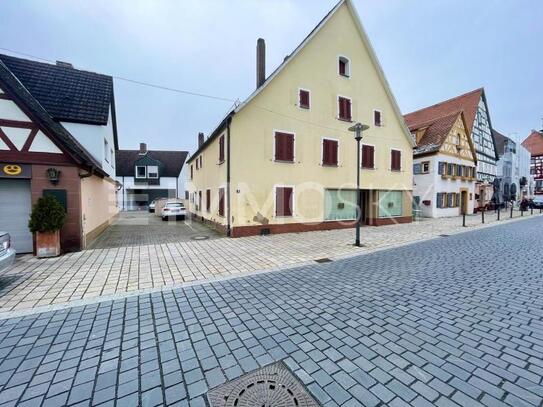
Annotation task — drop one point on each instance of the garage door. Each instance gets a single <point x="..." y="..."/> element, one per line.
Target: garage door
<point x="15" y="206"/>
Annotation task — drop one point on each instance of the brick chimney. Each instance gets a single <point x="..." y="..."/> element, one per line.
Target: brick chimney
<point x="200" y="139"/>
<point x="143" y="149"/>
<point x="260" y="62"/>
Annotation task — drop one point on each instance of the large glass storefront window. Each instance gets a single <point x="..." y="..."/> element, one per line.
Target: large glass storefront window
<point x="390" y="203"/>
<point x="339" y="204"/>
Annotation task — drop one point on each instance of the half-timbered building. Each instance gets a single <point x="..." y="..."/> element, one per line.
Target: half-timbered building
<point x="476" y="113"/>
<point x="534" y="144"/>
<point x="444" y="166"/>
<point x="57" y="137"/>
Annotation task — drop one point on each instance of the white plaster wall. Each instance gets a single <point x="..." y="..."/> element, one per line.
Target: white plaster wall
<point x="428" y="185"/>
<point x="92" y="138"/>
<point x="10" y="111"/>
<point x="128" y="183"/>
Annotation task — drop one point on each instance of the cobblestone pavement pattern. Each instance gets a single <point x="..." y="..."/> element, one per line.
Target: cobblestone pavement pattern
<point x="446" y="322"/>
<point x="89" y="274"/>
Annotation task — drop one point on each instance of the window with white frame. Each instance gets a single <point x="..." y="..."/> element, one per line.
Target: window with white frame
<point x="344" y="66"/>
<point x="152" y="171"/>
<point x="141" y="171"/>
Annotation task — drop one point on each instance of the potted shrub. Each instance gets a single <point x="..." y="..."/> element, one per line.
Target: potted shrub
<point x="46" y="220"/>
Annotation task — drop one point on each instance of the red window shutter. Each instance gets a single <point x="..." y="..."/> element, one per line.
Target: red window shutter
<point x="371" y="156"/>
<point x="329" y="152"/>
<point x="284" y="147"/>
<point x="344" y="108"/>
<point x="304" y="99"/>
<point x="377" y="118"/>
<point x="221" y="201"/>
<point x="208" y="200"/>
<point x="368" y="153"/>
<point x="221" y="149"/>
<point x="283" y="201"/>
<point x="396" y="160"/>
<point x="342" y="67"/>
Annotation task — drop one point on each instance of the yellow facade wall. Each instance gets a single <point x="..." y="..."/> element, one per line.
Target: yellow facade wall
<point x="315" y="68"/>
<point x="212" y="175"/>
<point x="98" y="205"/>
<point x="254" y="173"/>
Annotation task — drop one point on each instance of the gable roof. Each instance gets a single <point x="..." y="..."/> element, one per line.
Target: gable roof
<point x="66" y="93"/>
<point x="43" y="119"/>
<point x="501" y="141"/>
<point x="277" y="71"/>
<point x="466" y="103"/>
<point x="435" y="131"/>
<point x="172" y="161"/>
<point x="534" y="142"/>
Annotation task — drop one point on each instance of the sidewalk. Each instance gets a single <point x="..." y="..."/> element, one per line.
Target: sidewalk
<point x="90" y="274"/>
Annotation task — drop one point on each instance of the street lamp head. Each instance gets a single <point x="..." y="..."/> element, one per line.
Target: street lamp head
<point x="358" y="128"/>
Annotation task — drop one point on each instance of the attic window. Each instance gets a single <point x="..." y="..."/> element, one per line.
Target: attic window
<point x="344" y="66"/>
<point x="141" y="171"/>
<point x="303" y="101"/>
<point x="377" y="118"/>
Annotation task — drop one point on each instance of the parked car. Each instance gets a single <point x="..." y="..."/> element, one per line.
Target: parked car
<point x="173" y="209"/>
<point x="152" y="205"/>
<point x="7" y="253"/>
<point x="537" y="202"/>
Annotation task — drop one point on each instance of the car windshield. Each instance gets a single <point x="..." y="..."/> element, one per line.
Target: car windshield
<point x="538" y="199"/>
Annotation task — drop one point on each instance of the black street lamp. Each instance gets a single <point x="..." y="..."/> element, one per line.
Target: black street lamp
<point x="358" y="128"/>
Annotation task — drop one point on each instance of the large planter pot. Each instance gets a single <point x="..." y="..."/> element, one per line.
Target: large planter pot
<point x="48" y="244"/>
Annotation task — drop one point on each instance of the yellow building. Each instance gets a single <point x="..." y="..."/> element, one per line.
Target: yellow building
<point x="284" y="160"/>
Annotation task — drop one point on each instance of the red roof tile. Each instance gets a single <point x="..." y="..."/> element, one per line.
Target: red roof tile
<point x="466" y="103"/>
<point x="534" y="142"/>
<point x="436" y="131"/>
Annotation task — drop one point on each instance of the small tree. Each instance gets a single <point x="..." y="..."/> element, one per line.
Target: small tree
<point x="47" y="215"/>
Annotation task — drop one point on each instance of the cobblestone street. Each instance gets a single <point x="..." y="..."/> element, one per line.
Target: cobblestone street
<point x="451" y="321"/>
<point x="90" y="274"/>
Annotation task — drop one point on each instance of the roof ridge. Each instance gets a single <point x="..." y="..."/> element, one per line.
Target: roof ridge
<point x="432" y="121"/>
<point x="51" y="64"/>
<point x="445" y="101"/>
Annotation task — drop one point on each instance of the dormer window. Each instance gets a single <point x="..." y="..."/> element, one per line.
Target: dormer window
<point x="344" y="66"/>
<point x="152" y="171"/>
<point x="141" y="171"/>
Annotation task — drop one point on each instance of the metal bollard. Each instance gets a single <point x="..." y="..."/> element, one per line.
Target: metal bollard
<point x="511" y="211"/>
<point x="499" y="211"/>
<point x="483" y="215"/>
<point x="464" y="219"/>
<point x="532" y="210"/>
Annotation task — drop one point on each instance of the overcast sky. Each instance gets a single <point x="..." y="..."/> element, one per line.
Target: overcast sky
<point x="430" y="51"/>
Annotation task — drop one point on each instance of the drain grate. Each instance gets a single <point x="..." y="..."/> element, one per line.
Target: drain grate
<point x="444" y="235"/>
<point x="323" y="260"/>
<point x="271" y="386"/>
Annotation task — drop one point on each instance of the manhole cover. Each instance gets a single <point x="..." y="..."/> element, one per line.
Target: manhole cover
<point x="200" y="237"/>
<point x="270" y="386"/>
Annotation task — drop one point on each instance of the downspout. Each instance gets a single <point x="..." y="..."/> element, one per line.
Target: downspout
<point x="228" y="210"/>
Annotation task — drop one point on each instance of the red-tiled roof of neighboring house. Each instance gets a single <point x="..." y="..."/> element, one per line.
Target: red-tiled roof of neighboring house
<point x="466" y="103"/>
<point x="435" y="130"/>
<point x="534" y="142"/>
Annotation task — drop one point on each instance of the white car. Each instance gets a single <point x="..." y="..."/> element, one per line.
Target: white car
<point x="152" y="206"/>
<point x="173" y="209"/>
<point x="7" y="253"/>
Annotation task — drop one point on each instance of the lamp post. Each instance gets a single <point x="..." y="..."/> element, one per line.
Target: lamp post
<point x="358" y="128"/>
